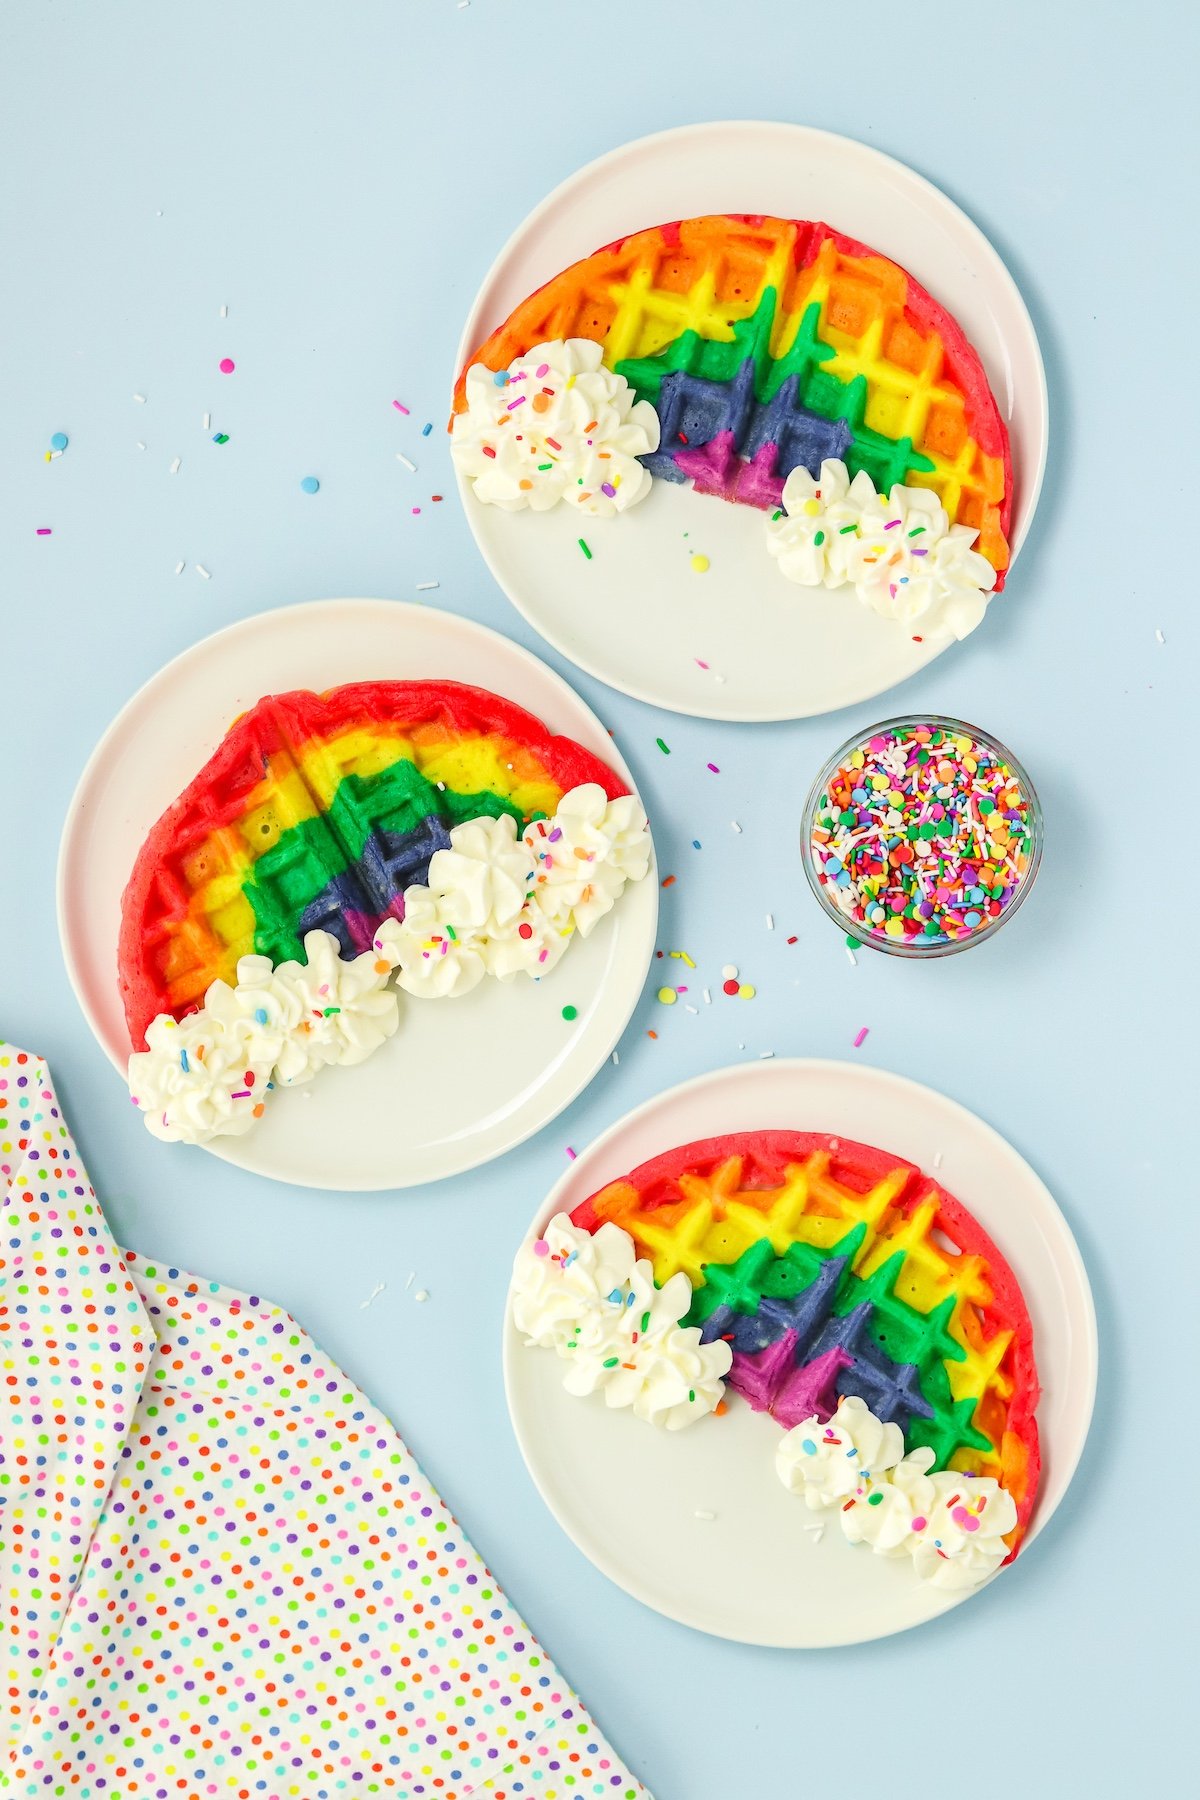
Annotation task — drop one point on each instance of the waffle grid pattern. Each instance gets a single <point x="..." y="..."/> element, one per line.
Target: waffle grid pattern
<point x="674" y="300"/>
<point x="317" y="812"/>
<point x="859" y="1272"/>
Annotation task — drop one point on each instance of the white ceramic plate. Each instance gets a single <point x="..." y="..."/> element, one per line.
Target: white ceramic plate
<point x="637" y="615"/>
<point x="629" y="1495"/>
<point x="462" y="1080"/>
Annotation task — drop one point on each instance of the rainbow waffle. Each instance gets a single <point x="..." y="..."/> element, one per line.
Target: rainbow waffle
<point x="316" y="812"/>
<point x="835" y="1269"/>
<point x="765" y="344"/>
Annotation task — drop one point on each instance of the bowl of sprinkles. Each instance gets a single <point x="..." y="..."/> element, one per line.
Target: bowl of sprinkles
<point x="922" y="836"/>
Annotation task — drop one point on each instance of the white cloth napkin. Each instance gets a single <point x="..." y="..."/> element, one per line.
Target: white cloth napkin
<point x="224" y="1573"/>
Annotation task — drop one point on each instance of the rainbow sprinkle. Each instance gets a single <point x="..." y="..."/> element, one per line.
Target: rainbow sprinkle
<point x="924" y="835"/>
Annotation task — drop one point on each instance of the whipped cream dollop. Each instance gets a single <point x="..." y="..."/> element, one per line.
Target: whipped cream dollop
<point x="474" y="895"/>
<point x="810" y="539"/>
<point x="589" y="1298"/>
<point x="898" y="551"/>
<point x="827" y="1463"/>
<point x="210" y="1074"/>
<point x="556" y="425"/>
<point x="585" y="855"/>
<point x="496" y="902"/>
<point x="952" y="1525"/>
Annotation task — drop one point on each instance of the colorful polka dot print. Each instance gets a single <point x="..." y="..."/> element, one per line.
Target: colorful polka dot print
<point x="225" y="1574"/>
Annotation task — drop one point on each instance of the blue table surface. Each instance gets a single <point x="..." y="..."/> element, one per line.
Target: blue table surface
<point x="340" y="178"/>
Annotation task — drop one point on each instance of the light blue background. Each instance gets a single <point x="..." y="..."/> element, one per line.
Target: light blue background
<point x="341" y="176"/>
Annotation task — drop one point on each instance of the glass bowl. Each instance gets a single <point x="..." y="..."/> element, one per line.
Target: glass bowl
<point x="924" y="943"/>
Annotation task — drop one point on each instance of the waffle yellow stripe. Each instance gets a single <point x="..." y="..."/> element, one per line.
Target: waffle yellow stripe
<point x="808" y="285"/>
<point x="718" y="1220"/>
<point x="929" y="1273"/>
<point x="294" y="790"/>
<point x="231" y="919"/>
<point x="971" y="1379"/>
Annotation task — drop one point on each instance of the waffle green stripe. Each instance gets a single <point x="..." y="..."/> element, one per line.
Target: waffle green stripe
<point x="306" y="857"/>
<point x="899" y="1331"/>
<point x="886" y="460"/>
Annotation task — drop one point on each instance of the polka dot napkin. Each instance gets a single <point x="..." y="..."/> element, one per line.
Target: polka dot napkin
<point x="225" y="1574"/>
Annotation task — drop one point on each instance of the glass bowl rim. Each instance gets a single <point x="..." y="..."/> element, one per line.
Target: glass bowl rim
<point x="909" y="947"/>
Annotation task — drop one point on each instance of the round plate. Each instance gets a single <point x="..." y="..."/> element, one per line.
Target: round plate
<point x="637" y="615"/>
<point x="462" y="1080"/>
<point x="632" y="1497"/>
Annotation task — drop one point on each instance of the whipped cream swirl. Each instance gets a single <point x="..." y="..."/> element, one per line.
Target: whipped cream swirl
<point x="811" y="538"/>
<point x="556" y="425"/>
<point x="591" y="1300"/>
<point x="495" y="903"/>
<point x="585" y="855"/>
<point x="827" y="1463"/>
<point x="899" y="551"/>
<point x="498" y="904"/>
<point x="474" y="896"/>
<point x="210" y="1074"/>
<point x="952" y="1525"/>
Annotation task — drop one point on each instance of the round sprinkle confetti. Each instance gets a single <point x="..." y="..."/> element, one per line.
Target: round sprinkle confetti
<point x="729" y="971"/>
<point x="310" y="485"/>
<point x="227" y="365"/>
<point x="59" y="441"/>
<point x="570" y="1012"/>
<point x="746" y="991"/>
<point x="700" y="564"/>
<point x="731" y="986"/>
<point x="923" y="833"/>
<point x="667" y="995"/>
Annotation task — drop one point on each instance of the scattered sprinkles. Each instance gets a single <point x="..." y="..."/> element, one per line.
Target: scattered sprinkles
<point x="923" y="835"/>
<point x="570" y="1012"/>
<point x="59" y="441"/>
<point x="227" y="365"/>
<point x="584" y="548"/>
<point x="733" y="985"/>
<point x="310" y="485"/>
<point x="861" y="1038"/>
<point x="700" y="564"/>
